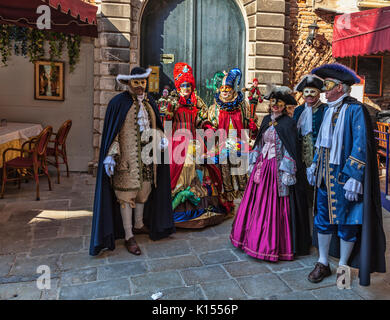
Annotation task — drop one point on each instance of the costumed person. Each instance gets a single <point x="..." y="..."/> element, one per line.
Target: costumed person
<point x="348" y="213"/>
<point x="272" y="222"/>
<point x="231" y="113"/>
<point x="195" y="185"/>
<point x="127" y="188"/>
<point x="165" y="106"/>
<point x="254" y="96"/>
<point x="309" y="118"/>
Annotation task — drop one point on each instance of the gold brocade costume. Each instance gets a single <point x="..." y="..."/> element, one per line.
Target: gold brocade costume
<point x="132" y="180"/>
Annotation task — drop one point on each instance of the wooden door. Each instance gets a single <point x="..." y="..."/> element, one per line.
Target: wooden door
<point x="209" y="35"/>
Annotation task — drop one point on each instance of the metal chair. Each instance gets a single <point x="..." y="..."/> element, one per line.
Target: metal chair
<point x="59" y="149"/>
<point x="29" y="163"/>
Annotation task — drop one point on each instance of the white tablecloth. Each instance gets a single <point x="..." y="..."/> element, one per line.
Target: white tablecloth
<point x="18" y="130"/>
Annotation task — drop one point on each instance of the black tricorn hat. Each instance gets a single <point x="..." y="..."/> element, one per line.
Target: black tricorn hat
<point x="310" y="81"/>
<point x="337" y="71"/>
<point x="136" y="73"/>
<point x="281" y="93"/>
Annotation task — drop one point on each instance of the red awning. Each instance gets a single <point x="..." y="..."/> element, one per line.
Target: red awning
<point x="361" y="33"/>
<point x="67" y="16"/>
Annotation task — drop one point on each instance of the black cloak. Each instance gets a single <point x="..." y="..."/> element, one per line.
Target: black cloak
<point x="107" y="225"/>
<point x="368" y="254"/>
<point x="300" y="225"/>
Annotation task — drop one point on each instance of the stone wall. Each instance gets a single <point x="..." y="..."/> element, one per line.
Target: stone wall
<point x="117" y="49"/>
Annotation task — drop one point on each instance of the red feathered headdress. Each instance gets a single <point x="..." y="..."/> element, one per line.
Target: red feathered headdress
<point x="182" y="72"/>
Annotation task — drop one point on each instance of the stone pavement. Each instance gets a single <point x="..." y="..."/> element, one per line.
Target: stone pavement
<point x="189" y="265"/>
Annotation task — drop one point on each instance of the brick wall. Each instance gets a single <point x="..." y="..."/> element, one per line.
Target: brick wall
<point x="303" y="57"/>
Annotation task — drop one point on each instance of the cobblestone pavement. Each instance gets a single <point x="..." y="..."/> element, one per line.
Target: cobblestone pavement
<point x="189" y="265"/>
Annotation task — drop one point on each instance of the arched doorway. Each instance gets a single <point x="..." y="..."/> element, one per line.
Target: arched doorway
<point x="207" y="34"/>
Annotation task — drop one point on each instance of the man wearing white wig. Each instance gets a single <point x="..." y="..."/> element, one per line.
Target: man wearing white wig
<point x="348" y="213"/>
<point x="132" y="193"/>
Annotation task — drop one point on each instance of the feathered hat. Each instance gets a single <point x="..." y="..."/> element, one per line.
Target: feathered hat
<point x="281" y="93"/>
<point x="337" y="71"/>
<point x="311" y="81"/>
<point x="231" y="78"/>
<point x="182" y="72"/>
<point x="136" y="73"/>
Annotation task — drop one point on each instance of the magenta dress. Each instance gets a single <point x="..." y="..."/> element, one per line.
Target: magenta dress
<point x="262" y="224"/>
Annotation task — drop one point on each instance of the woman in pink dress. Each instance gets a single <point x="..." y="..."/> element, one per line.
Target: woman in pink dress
<point x="272" y="222"/>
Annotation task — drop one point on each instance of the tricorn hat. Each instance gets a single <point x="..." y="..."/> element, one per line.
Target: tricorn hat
<point x="311" y="81"/>
<point x="136" y="73"/>
<point x="281" y="93"/>
<point x="337" y="71"/>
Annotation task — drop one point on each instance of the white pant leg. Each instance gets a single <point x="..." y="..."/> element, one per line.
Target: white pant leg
<point x="127" y="218"/>
<point x="139" y="215"/>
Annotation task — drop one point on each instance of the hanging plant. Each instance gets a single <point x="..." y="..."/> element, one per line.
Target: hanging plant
<point x="20" y="37"/>
<point x="56" y="45"/>
<point x="73" y="45"/>
<point x="5" y="43"/>
<point x="36" y="47"/>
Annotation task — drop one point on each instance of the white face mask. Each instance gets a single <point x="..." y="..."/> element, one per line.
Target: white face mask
<point x="313" y="92"/>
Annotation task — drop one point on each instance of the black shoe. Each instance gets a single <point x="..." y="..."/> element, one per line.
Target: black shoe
<point x="319" y="272"/>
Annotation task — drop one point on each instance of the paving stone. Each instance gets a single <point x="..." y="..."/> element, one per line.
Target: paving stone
<point x="207" y="232"/>
<point x="297" y="280"/>
<point x="181" y="293"/>
<point x="334" y="293"/>
<point x="81" y="260"/>
<point x="94" y="290"/>
<point x="296" y="295"/>
<point x="217" y="257"/>
<point x="157" y="281"/>
<point x="224" y="228"/>
<point x="55" y="246"/>
<point x="378" y="290"/>
<point x="283" y="266"/>
<point x="78" y="276"/>
<point x="203" y="245"/>
<point x="246" y="268"/>
<point x="52" y="293"/>
<point x="223" y="290"/>
<point x="166" y="249"/>
<point x="174" y="263"/>
<point x="263" y="285"/>
<point x="121" y="270"/>
<point x="28" y="266"/>
<point x="41" y="233"/>
<point x="6" y="262"/>
<point x="120" y="254"/>
<point x="10" y="246"/>
<point x="20" y="291"/>
<point x="204" y="274"/>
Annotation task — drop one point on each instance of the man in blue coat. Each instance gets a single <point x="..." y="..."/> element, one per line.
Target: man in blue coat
<point x="132" y="195"/>
<point x="348" y="214"/>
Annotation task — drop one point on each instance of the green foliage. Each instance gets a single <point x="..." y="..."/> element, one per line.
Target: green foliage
<point x="30" y="43"/>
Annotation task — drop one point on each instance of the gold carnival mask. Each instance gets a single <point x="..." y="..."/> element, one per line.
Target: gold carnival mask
<point x="311" y="92"/>
<point x="276" y="102"/>
<point x="330" y="84"/>
<point x="136" y="83"/>
<point x="225" y="88"/>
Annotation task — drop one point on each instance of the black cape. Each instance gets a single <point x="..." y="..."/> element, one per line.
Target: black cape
<point x="368" y="254"/>
<point x="300" y="225"/>
<point x="107" y="223"/>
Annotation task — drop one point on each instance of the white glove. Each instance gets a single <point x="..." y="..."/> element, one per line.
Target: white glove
<point x="351" y="196"/>
<point x="288" y="179"/>
<point x="310" y="174"/>
<point x="163" y="144"/>
<point x="109" y="165"/>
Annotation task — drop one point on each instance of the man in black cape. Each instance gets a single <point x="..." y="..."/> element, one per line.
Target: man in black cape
<point x="127" y="114"/>
<point x="348" y="212"/>
<point x="288" y="134"/>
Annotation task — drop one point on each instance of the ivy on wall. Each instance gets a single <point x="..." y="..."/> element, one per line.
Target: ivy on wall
<point x="30" y="43"/>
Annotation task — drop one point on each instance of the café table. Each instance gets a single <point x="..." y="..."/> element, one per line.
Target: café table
<point x="13" y="134"/>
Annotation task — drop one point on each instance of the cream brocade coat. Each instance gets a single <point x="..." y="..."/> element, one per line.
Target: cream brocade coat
<point x="127" y="181"/>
